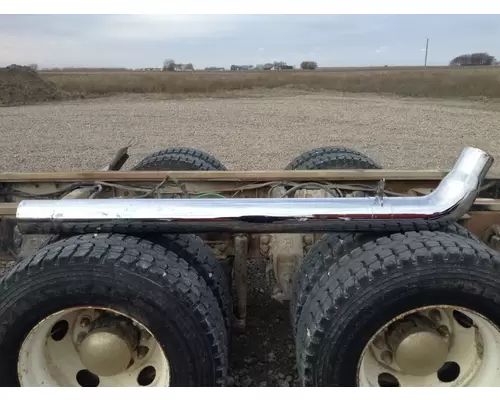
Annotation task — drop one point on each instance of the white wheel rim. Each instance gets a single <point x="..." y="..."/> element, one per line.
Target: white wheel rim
<point x="472" y="355"/>
<point x="51" y="355"/>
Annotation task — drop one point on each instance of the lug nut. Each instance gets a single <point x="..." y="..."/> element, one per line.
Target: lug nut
<point x="444" y="331"/>
<point x="142" y="351"/>
<point x="264" y="239"/>
<point x="379" y="342"/>
<point x="435" y="315"/>
<point x="386" y="357"/>
<point x="145" y="335"/>
<point x="84" y="322"/>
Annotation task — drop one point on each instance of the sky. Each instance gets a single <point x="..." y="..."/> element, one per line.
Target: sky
<point x="142" y="41"/>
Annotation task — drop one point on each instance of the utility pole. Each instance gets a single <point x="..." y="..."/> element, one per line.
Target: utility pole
<point x="426" y="50"/>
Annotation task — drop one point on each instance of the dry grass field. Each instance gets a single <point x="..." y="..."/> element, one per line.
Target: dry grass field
<point x="438" y="82"/>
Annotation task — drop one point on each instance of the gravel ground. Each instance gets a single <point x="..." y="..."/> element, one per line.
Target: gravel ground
<point x="248" y="133"/>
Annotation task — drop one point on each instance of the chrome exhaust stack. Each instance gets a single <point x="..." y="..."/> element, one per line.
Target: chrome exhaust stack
<point x="447" y="203"/>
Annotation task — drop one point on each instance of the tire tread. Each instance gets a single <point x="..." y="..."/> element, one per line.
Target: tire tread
<point x="332" y="158"/>
<point x="374" y="260"/>
<point x="174" y="157"/>
<point x="143" y="258"/>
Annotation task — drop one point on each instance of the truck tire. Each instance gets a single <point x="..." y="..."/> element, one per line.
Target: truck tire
<point x="332" y="158"/>
<point x="179" y="159"/>
<point x="87" y="288"/>
<point x="323" y="158"/>
<point x="191" y="247"/>
<point x="327" y="251"/>
<point x="311" y="269"/>
<point x="186" y="246"/>
<point x="439" y="284"/>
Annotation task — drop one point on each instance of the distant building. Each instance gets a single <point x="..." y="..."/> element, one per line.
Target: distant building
<point x="241" y="67"/>
<point x="183" y="67"/>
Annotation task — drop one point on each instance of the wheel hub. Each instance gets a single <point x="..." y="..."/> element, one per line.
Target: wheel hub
<point x="421" y="353"/>
<point x="417" y="346"/>
<point x="105" y="352"/>
<point x="90" y="347"/>
<point x="108" y="347"/>
<point x="438" y="345"/>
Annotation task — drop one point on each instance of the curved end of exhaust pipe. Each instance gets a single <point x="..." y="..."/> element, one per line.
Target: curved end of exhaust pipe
<point x="474" y="164"/>
<point x="459" y="188"/>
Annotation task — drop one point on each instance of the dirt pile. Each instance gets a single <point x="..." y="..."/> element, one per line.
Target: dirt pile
<point x="22" y="85"/>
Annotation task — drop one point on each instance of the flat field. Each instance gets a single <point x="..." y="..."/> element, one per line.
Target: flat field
<point x="441" y="82"/>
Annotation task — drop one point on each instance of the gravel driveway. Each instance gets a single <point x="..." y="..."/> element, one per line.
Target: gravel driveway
<point x="245" y="133"/>
<point x="249" y="133"/>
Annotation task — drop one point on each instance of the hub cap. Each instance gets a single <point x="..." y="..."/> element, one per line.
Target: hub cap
<point x="106" y="353"/>
<point x="421" y="353"/>
<point x="433" y="346"/>
<point x="91" y="347"/>
<point x="417" y="347"/>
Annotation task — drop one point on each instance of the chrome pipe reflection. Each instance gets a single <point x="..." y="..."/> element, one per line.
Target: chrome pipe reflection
<point x="447" y="203"/>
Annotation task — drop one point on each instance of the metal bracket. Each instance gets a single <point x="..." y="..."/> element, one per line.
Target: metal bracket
<point x="118" y="160"/>
<point x="492" y="237"/>
<point x="380" y="192"/>
<point x="240" y="268"/>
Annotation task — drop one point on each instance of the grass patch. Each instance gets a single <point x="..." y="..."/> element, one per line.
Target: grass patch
<point x="433" y="82"/>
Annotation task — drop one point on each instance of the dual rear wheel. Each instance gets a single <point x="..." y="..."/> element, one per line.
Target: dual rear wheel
<point x="415" y="308"/>
<point x="412" y="309"/>
<point x="116" y="310"/>
<point x="109" y="310"/>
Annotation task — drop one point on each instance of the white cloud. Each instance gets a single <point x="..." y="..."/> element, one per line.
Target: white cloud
<point x="24" y="50"/>
<point x="381" y="49"/>
<point x="106" y="40"/>
<point x="163" y="27"/>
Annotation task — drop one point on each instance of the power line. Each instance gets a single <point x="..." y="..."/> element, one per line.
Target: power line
<point x="426" y="52"/>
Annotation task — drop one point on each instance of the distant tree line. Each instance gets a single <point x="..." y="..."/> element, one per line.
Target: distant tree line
<point x="473" y="59"/>
<point x="171" y="65"/>
<point x="241" y="67"/>
<point x="308" y="65"/>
